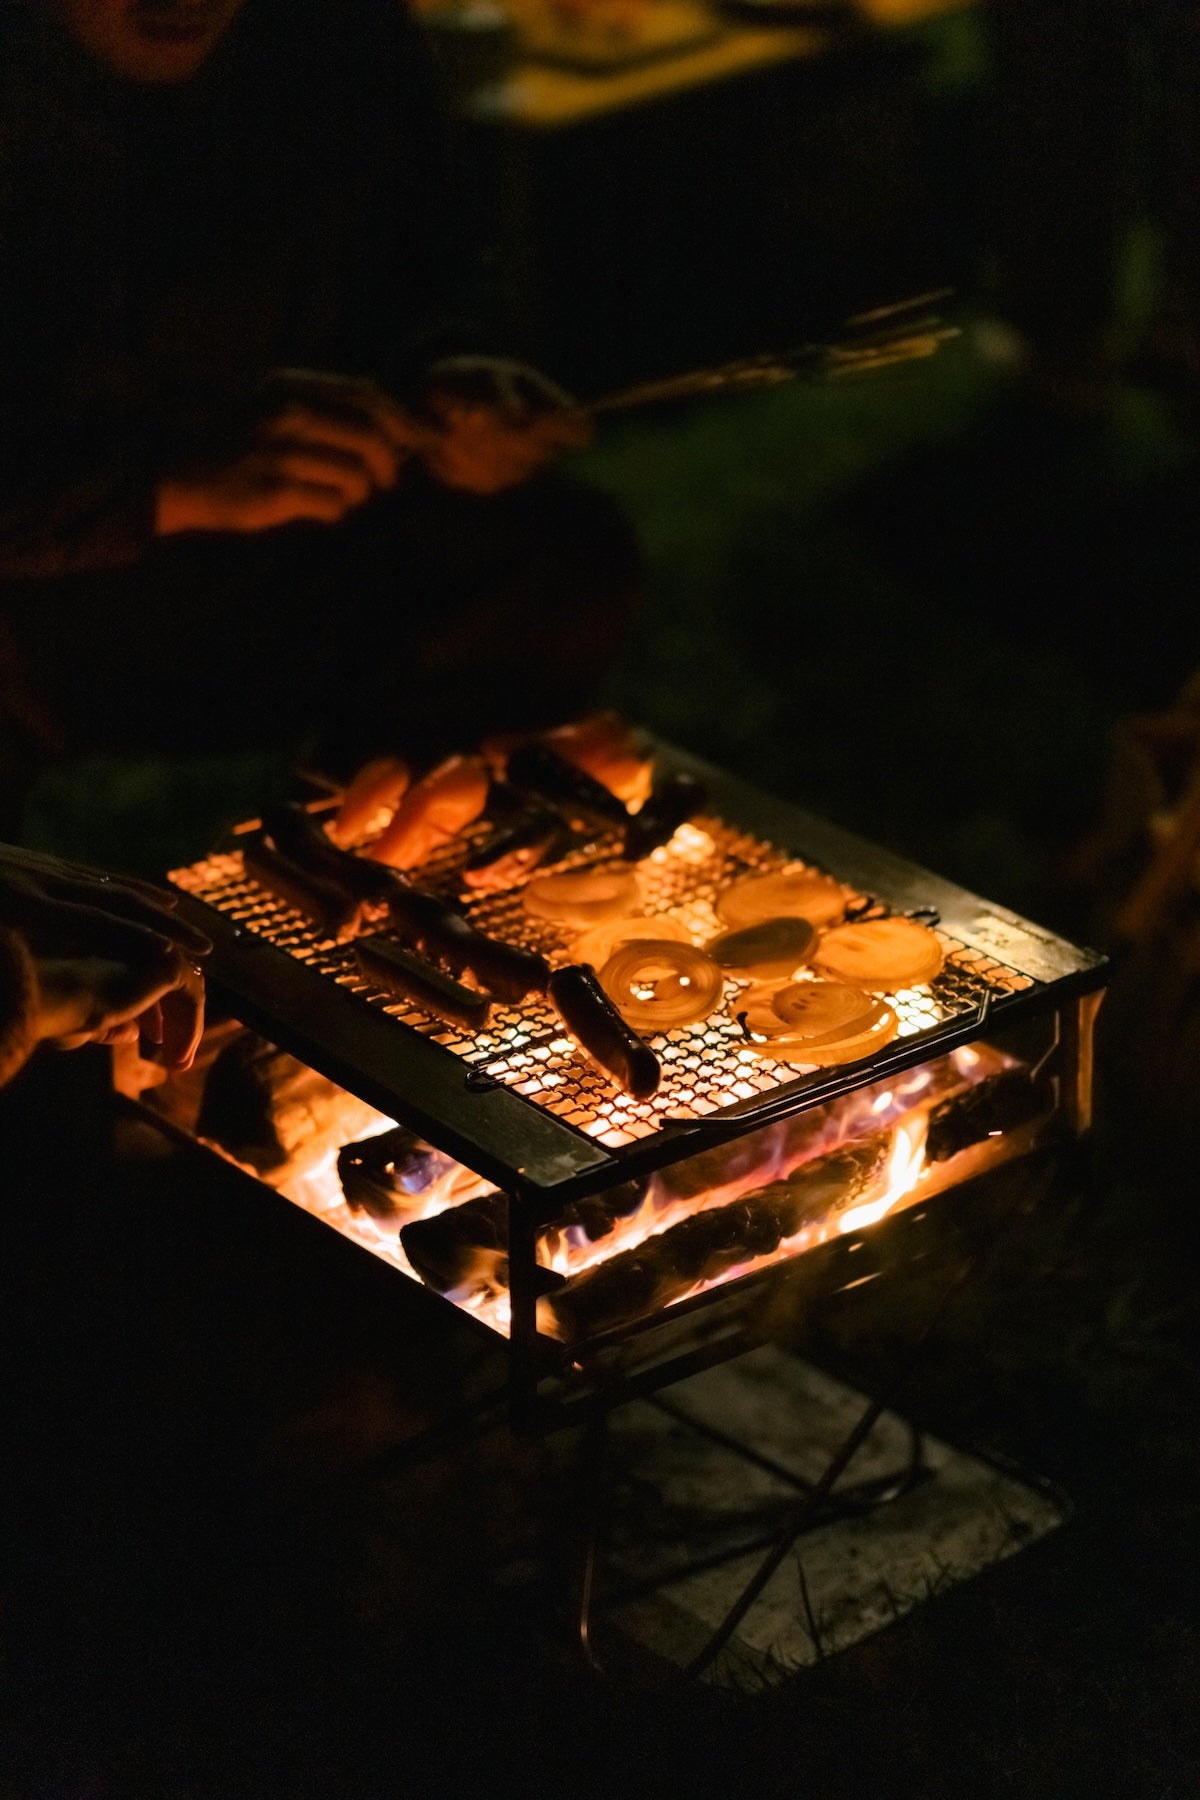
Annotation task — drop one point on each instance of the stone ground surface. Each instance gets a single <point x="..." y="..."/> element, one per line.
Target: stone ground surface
<point x="916" y="1519"/>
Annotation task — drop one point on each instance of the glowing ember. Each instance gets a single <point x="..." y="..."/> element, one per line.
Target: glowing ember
<point x="795" y="1159"/>
<point x="904" y="1170"/>
<point x="598" y="1232"/>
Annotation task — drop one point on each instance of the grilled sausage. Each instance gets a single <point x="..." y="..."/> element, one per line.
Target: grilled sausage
<point x="299" y="835"/>
<point x="442" y="935"/>
<point x="594" y="1022"/>
<point x="505" y="969"/>
<point x="409" y="977"/>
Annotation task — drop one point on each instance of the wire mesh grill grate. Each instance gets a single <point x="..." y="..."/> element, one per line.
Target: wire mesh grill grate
<point x="706" y="1067"/>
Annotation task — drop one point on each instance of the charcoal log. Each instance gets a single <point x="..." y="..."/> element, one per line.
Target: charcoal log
<point x="267" y="1110"/>
<point x="454" y="1242"/>
<point x="597" y="1215"/>
<point x="393" y="1176"/>
<point x="998" y="1104"/>
<point x="705" y="1246"/>
<point x="747" y="1161"/>
<point x="461" y="1251"/>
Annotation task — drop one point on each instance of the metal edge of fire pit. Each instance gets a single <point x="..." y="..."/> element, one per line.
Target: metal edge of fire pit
<point x="644" y="1355"/>
<point x="981" y="924"/>
<point x="546" y="1162"/>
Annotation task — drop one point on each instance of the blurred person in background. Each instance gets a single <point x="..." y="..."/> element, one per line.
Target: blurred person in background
<point x="1095" y="125"/>
<point x="257" y="473"/>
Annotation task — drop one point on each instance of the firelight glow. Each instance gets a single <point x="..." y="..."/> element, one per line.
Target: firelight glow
<point x="905" y="1166"/>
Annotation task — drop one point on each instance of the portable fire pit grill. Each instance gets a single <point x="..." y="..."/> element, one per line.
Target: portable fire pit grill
<point x="621" y="1244"/>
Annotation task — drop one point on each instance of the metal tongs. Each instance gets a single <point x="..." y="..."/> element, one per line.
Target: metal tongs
<point x="906" y="331"/>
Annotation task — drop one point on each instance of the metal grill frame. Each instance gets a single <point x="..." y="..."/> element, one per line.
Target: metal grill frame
<point x="542" y="1162"/>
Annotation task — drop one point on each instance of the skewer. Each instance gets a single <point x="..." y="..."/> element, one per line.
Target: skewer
<point x="899" y="337"/>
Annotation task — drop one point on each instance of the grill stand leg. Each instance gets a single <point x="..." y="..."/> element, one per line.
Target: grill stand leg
<point x="816" y="1505"/>
<point x="594" y="1494"/>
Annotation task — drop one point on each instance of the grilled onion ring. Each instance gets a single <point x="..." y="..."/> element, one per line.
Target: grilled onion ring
<point x="790" y="1048"/>
<point x="776" y="946"/>
<point x="880" y="955"/>
<point x="582" y="897"/>
<point x="598" y="944"/>
<point x="788" y="893"/>
<point x="816" y="1012"/>
<point x="685" y="985"/>
<point x="819" y="1008"/>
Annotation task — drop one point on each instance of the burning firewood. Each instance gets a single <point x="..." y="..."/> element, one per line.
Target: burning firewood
<point x="397" y="1174"/>
<point x="709" y="1243"/>
<point x="266" y="1110"/>
<point x="462" y="1251"/>
<point x="994" y="1106"/>
<point x="463" y="1245"/>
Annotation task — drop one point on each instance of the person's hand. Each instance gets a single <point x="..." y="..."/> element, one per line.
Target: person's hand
<point x="323" y="445"/>
<point x="112" y="960"/>
<point x="487" y="424"/>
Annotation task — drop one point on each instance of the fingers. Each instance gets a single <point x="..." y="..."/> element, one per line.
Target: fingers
<point x="512" y="387"/>
<point x="359" y="445"/>
<point x="298" y="465"/>
<point x="347" y="397"/>
<point x="150" y="1024"/>
<point x="82" y="999"/>
<point x="279" y="501"/>
<point x="15" y="860"/>
<point x="136" y="904"/>
<point x="498" y="422"/>
<point x="182" y="1019"/>
<point x="477" y="454"/>
<point x="94" y="999"/>
<point x="75" y="929"/>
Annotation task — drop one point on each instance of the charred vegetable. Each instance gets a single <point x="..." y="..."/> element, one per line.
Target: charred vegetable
<point x="672" y="802"/>
<point x="538" y="770"/>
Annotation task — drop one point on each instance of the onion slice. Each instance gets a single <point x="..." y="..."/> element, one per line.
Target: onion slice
<point x="790" y="1048"/>
<point x="788" y="893"/>
<point x="657" y="984"/>
<point x="598" y="944"/>
<point x="880" y="955"/>
<point x="813" y="1008"/>
<point x="815" y="1012"/>
<point x="582" y="897"/>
